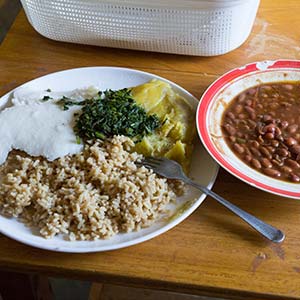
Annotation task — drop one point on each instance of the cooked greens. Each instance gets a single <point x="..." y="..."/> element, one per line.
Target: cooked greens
<point x="66" y="102"/>
<point x="112" y="113"/>
<point x="46" y="98"/>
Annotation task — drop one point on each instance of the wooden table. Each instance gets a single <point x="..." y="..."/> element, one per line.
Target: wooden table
<point x="212" y="252"/>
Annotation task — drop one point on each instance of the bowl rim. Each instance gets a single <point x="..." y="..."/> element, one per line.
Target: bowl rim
<point x="203" y="109"/>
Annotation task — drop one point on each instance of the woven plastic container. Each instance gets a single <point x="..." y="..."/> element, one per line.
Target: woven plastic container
<point x="191" y="27"/>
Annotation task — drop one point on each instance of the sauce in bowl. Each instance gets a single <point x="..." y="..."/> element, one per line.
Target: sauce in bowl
<point x="262" y="127"/>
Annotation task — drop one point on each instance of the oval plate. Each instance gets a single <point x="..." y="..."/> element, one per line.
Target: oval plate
<point x="204" y="170"/>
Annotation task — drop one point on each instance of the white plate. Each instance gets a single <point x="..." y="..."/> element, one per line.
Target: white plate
<point x="204" y="170"/>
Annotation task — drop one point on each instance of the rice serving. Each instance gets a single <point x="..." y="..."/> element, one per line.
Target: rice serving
<point x="87" y="196"/>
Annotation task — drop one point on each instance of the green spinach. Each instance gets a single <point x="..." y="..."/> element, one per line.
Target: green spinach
<point x="112" y="113"/>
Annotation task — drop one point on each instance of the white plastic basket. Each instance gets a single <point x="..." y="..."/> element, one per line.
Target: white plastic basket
<point x="192" y="27"/>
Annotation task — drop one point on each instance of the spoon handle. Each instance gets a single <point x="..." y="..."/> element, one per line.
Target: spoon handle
<point x="268" y="231"/>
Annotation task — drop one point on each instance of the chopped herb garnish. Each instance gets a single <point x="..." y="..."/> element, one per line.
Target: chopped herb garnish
<point x="66" y="102"/>
<point x="46" y="98"/>
<point x="113" y="113"/>
<point x="78" y="140"/>
<point x="240" y="141"/>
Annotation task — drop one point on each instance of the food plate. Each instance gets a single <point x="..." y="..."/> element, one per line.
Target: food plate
<point x="204" y="170"/>
<point x="215" y="100"/>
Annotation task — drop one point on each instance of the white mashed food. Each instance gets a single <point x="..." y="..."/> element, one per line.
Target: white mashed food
<point x="40" y="128"/>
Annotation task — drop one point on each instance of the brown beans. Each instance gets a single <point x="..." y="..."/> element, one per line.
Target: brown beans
<point x="232" y="138"/>
<point x="286" y="104"/>
<point x="267" y="118"/>
<point x="275" y="143"/>
<point x="255" y="144"/>
<point x="252" y="91"/>
<point x="260" y="139"/>
<point x="272" y="172"/>
<point x="230" y="115"/>
<point x="280" y="138"/>
<point x="265" y="152"/>
<point x="286" y="169"/>
<point x="266" y="163"/>
<point x="251" y="112"/>
<point x="266" y="88"/>
<point x="282" y="152"/>
<point x="288" y="87"/>
<point x="269" y="128"/>
<point x="284" y="124"/>
<point x="241" y="98"/>
<point x="251" y="123"/>
<point x="295" y="178"/>
<point x="277" y="163"/>
<point x="292" y="128"/>
<point x="271" y="149"/>
<point x="295" y="149"/>
<point x="248" y="102"/>
<point x="245" y="128"/>
<point x="255" y="151"/>
<point x="238" y="109"/>
<point x="255" y="163"/>
<point x="238" y="148"/>
<point x="273" y="106"/>
<point x="269" y="136"/>
<point x="293" y="164"/>
<point x="262" y="127"/>
<point x="242" y="116"/>
<point x="230" y="129"/>
<point x="247" y="150"/>
<point x="277" y="131"/>
<point x="248" y="158"/>
<point x="290" y="141"/>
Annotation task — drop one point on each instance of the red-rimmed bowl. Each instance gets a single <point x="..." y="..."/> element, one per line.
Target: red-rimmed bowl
<point x="215" y="100"/>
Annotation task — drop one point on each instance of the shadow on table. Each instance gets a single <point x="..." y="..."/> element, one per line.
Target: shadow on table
<point x="8" y="12"/>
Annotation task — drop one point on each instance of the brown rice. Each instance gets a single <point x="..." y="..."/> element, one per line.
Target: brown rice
<point x="92" y="195"/>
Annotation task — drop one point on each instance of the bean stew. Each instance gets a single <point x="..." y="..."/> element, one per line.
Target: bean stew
<point x="262" y="127"/>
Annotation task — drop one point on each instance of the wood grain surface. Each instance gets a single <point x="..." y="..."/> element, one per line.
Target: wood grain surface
<point x="212" y="252"/>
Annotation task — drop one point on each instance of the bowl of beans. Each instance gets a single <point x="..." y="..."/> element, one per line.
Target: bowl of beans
<point x="249" y="121"/>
